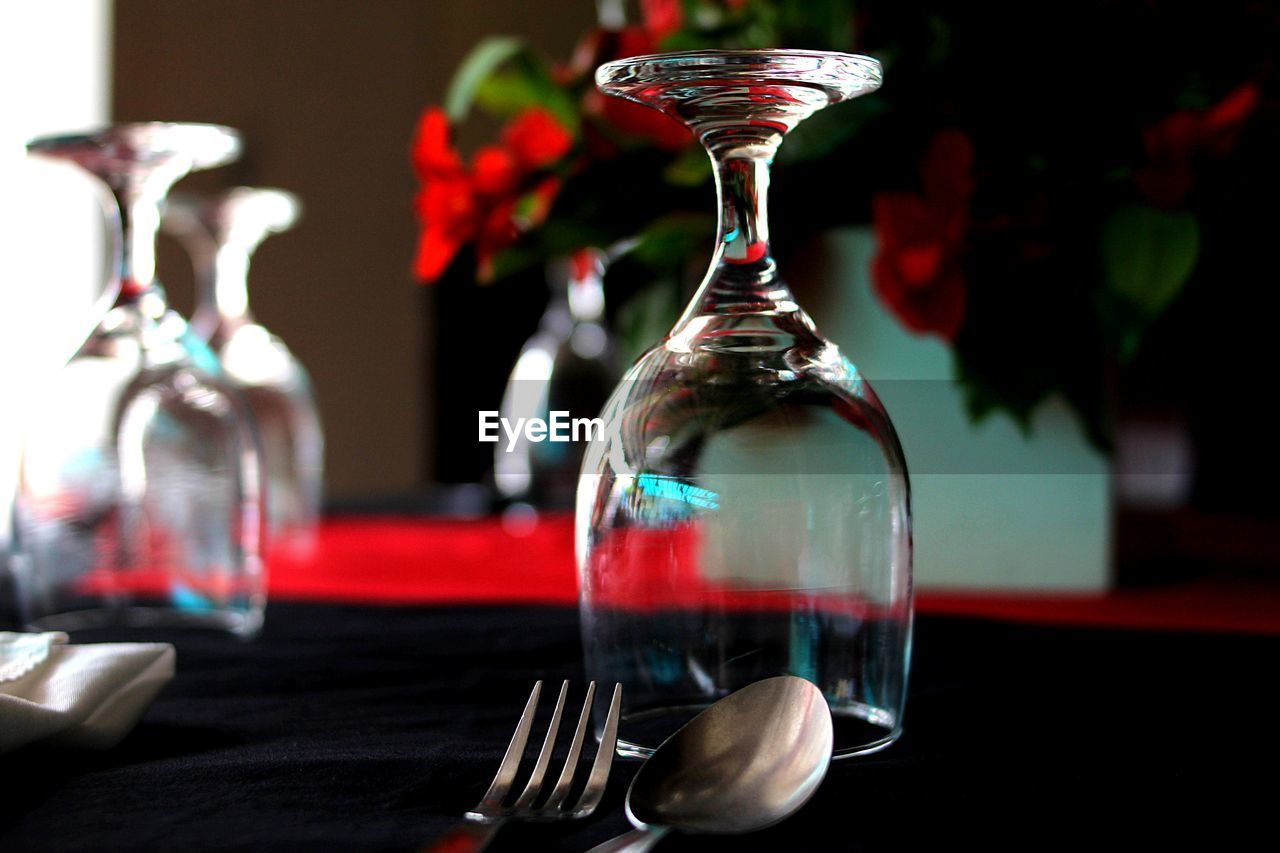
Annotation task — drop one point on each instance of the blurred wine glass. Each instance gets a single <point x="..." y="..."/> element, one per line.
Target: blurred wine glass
<point x="220" y="232"/>
<point x="565" y="370"/>
<point x="139" y="490"/>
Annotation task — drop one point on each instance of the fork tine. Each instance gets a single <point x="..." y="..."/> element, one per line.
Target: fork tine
<point x="592" y="794"/>
<point x="575" y="749"/>
<point x="501" y="784"/>
<point x="544" y="755"/>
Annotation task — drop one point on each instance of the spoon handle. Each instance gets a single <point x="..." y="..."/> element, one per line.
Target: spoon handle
<point x="635" y="841"/>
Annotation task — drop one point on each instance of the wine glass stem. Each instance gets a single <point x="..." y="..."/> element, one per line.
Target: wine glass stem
<point x="743" y="187"/>
<point x="743" y="274"/>
<point x="231" y="282"/>
<point x="139" y="206"/>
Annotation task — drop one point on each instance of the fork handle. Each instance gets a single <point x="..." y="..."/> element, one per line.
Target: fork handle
<point x="470" y="836"/>
<point x="635" y="841"/>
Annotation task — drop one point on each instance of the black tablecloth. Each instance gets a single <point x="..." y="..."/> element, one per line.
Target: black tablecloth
<point x="367" y="728"/>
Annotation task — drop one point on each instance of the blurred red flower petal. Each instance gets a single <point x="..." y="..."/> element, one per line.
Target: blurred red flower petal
<point x="917" y="271"/>
<point x="435" y="251"/>
<point x="494" y="170"/>
<point x="917" y="266"/>
<point x="661" y="17"/>
<point x="631" y="41"/>
<point x="432" y="151"/>
<point x="638" y="121"/>
<point x="447" y="208"/>
<point x="536" y="139"/>
<point x="457" y="206"/>
<point x="1220" y="131"/>
<point x="1172" y="144"/>
<point x="938" y="309"/>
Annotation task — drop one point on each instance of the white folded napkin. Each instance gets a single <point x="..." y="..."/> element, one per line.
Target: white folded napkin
<point x="84" y="696"/>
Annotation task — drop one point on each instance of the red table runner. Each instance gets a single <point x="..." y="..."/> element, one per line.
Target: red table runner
<point x="387" y="560"/>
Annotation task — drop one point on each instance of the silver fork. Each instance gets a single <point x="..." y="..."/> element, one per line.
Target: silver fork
<point x="482" y="822"/>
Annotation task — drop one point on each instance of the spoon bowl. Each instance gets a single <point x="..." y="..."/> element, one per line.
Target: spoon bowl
<point x="747" y="762"/>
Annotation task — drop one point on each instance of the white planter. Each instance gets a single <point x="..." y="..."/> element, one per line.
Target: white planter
<point x="993" y="508"/>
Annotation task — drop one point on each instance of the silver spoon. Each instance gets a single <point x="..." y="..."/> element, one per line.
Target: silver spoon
<point x="747" y="762"/>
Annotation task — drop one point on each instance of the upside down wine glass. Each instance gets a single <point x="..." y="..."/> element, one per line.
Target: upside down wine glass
<point x="138" y="500"/>
<point x="748" y="512"/>
<point x="220" y="233"/>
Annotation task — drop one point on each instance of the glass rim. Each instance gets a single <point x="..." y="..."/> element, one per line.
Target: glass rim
<point x="205" y="145"/>
<point x="841" y="75"/>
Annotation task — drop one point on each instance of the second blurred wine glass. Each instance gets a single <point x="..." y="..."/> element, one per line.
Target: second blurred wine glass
<point x="564" y="373"/>
<point x="221" y="232"/>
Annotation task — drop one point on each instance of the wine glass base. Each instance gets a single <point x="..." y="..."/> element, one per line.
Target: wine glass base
<point x="859" y="729"/>
<point x="243" y="624"/>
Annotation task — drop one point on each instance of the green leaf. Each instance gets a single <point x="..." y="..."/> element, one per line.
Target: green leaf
<point x="939" y="41"/>
<point x="507" y="93"/>
<point x="690" y="168"/>
<point x="667" y="244"/>
<point x="1149" y="254"/>
<point x="483" y="60"/>
<point x="646" y="317"/>
<point x="513" y="260"/>
<point x="526" y="83"/>
<point x="815" y="24"/>
<point x="561" y="235"/>
<point x="826" y="130"/>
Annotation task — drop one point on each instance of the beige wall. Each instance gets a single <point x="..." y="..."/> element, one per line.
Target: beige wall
<point x="327" y="92"/>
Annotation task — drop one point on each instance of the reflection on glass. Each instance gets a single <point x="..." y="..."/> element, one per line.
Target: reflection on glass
<point x="139" y="490"/>
<point x="221" y="233"/>
<point x="749" y="513"/>
<point x="569" y="366"/>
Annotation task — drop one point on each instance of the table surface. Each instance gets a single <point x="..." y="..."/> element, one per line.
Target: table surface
<point x="407" y="560"/>
<point x="375" y="725"/>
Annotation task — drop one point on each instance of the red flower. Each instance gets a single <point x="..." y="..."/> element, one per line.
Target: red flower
<point x="917" y="271"/>
<point x="432" y="152"/>
<point x="639" y="122"/>
<point x="536" y="139"/>
<point x="1222" y="123"/>
<point x="661" y="17"/>
<point x="489" y="203"/>
<point x="1173" y="144"/>
<point x="494" y="171"/>
<point x="448" y="210"/>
